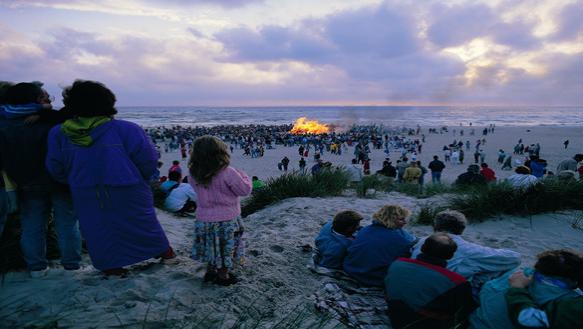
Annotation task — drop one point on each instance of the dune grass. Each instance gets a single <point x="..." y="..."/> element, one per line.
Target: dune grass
<point x="330" y="182"/>
<point x="500" y="198"/>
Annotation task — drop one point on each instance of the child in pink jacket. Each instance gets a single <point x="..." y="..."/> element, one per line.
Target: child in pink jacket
<point x="218" y="233"/>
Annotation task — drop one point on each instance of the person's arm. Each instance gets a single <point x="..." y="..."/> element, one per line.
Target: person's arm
<point x="239" y="182"/>
<point x="521" y="308"/>
<point x="54" y="159"/>
<point x="140" y="149"/>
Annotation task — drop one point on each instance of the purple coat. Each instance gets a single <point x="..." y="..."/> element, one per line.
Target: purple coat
<point x="111" y="195"/>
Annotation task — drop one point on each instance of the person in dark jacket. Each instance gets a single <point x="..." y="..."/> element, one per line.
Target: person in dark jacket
<point x="107" y="163"/>
<point x="22" y="153"/>
<point x="422" y="293"/>
<point x="471" y="177"/>
<point x="436" y="168"/>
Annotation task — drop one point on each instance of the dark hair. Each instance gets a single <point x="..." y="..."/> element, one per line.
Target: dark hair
<point x="346" y="220"/>
<point x="4" y="85"/>
<point x="561" y="263"/>
<point x="255" y="178"/>
<point x="175" y="162"/>
<point x="578" y="157"/>
<point x="435" y="157"/>
<point x="450" y="221"/>
<point x="484" y="165"/>
<point x="174" y="176"/>
<point x="439" y="245"/>
<point x="23" y="93"/>
<point x="89" y="99"/>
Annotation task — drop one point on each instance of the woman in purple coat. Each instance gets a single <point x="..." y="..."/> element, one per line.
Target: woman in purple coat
<point x="107" y="163"/>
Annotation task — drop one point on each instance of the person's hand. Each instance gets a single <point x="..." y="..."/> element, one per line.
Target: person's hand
<point x="519" y="280"/>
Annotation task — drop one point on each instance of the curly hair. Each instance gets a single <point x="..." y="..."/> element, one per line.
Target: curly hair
<point x="450" y="221"/>
<point x="388" y="214"/>
<point x="89" y="99"/>
<point x="209" y="156"/>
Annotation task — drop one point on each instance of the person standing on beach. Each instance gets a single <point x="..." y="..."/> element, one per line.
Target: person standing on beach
<point x="22" y="161"/>
<point x="107" y="164"/>
<point x="302" y="164"/>
<point x="436" y="168"/>
<point x="218" y="231"/>
<point x="566" y="143"/>
<point x="285" y="163"/>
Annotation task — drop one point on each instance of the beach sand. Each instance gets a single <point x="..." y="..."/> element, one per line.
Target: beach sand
<point x="276" y="283"/>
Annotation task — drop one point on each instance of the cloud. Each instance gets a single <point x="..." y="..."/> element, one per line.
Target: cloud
<point x="570" y="22"/>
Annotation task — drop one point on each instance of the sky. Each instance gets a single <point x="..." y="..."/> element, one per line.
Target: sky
<point x="301" y="52"/>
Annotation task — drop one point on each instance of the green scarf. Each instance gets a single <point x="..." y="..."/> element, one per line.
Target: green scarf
<point x="78" y="129"/>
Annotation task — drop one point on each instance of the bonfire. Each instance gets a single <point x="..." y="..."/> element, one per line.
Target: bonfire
<point x="305" y="126"/>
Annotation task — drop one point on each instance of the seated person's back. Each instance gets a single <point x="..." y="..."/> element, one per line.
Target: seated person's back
<point x="180" y="197"/>
<point x="422" y="293"/>
<point x="546" y="300"/>
<point x="334" y="238"/>
<point x="470" y="259"/>
<point x="378" y="245"/>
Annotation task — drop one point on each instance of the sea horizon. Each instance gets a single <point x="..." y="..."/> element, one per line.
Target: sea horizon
<point x="426" y="115"/>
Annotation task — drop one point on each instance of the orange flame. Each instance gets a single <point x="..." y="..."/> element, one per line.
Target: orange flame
<point x="305" y="126"/>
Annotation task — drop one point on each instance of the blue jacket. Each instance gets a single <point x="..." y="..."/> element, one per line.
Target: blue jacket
<point x="331" y="248"/>
<point x="537" y="168"/>
<point x="373" y="251"/>
<point x="121" y="155"/>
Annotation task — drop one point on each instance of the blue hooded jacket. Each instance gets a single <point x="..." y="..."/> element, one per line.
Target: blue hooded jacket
<point x="331" y="248"/>
<point x="374" y="250"/>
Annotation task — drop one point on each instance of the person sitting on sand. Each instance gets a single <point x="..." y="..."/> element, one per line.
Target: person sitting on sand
<point x="355" y="172"/>
<point x="378" y="245"/>
<point x="471" y="177"/>
<point x="488" y="173"/>
<point x="335" y="237"/>
<point x="542" y="297"/>
<point x="218" y="230"/>
<point x="180" y="197"/>
<point x="474" y="262"/>
<point x="422" y="293"/>
<point x="522" y="179"/>
<point x="175" y="167"/>
<point x="570" y="164"/>
<point x="108" y="163"/>
<point x="257" y="184"/>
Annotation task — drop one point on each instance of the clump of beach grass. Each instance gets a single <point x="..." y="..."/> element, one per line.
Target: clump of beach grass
<point x="329" y="182"/>
<point x="500" y="198"/>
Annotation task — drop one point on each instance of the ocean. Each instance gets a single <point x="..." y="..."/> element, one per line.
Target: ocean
<point x="392" y="116"/>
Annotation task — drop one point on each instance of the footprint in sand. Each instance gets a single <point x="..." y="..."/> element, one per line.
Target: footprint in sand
<point x="276" y="248"/>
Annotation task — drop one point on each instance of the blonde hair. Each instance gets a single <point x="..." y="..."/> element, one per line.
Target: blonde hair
<point x="389" y="214"/>
<point x="209" y="156"/>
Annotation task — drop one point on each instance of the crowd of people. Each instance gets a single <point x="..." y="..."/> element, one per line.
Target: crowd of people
<point x="445" y="281"/>
<point x="92" y="173"/>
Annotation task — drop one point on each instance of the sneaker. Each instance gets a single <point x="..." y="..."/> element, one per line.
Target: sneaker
<point x="39" y="273"/>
